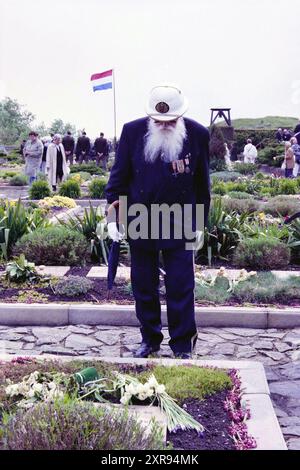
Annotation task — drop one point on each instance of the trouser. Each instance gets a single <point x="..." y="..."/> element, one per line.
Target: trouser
<point x="43" y="167"/>
<point x="31" y="179"/>
<point x="101" y="160"/>
<point x="179" y="283"/>
<point x="289" y="172"/>
<point x="70" y="158"/>
<point x="82" y="157"/>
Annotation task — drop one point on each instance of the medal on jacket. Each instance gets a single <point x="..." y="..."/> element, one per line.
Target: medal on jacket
<point x="187" y="162"/>
<point x="180" y="166"/>
<point x="174" y="166"/>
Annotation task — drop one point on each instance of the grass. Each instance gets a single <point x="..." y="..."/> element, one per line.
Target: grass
<point x="267" y="122"/>
<point x="184" y="382"/>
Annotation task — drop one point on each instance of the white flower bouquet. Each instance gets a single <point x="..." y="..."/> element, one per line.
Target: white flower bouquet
<point x="131" y="389"/>
<point x="37" y="386"/>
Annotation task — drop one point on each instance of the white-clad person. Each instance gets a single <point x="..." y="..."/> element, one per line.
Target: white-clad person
<point x="57" y="169"/>
<point x="250" y="152"/>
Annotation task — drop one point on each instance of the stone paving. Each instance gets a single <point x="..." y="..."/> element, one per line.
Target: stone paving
<point x="278" y="350"/>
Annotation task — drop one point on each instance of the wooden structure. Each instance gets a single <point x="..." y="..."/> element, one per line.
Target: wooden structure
<point x="220" y="113"/>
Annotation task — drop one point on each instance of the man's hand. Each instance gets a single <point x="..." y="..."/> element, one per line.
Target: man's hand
<point x="114" y="233"/>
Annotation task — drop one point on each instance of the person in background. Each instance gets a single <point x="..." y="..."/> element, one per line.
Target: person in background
<point x="101" y="149"/>
<point x="33" y="150"/>
<point x="297" y="132"/>
<point x="83" y="148"/>
<point x="227" y="157"/>
<point x="234" y="152"/>
<point x="69" y="146"/>
<point x="297" y="128"/>
<point x="57" y="169"/>
<point x="286" y="135"/>
<point x="289" y="160"/>
<point x="278" y="135"/>
<point x="296" y="151"/>
<point x="22" y="147"/>
<point x="46" y="141"/>
<point x="250" y="152"/>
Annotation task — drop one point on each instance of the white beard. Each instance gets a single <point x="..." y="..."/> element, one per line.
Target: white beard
<point x="166" y="142"/>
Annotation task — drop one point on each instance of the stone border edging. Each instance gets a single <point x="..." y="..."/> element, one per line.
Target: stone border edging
<point x="262" y="425"/>
<point x="124" y="315"/>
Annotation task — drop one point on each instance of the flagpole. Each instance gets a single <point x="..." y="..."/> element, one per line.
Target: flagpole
<point x="115" y="114"/>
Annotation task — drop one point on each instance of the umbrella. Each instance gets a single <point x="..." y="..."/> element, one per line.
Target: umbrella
<point x="113" y="261"/>
<point x="290" y="219"/>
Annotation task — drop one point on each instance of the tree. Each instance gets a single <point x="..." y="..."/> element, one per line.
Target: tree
<point x="216" y="145"/>
<point x="14" y="121"/>
<point x="59" y="127"/>
<point x="41" y="129"/>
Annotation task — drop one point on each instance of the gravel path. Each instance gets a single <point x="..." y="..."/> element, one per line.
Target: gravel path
<point x="278" y="350"/>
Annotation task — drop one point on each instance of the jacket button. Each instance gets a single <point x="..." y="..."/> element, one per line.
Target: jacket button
<point x="141" y="191"/>
<point x="136" y="171"/>
<point x="184" y="191"/>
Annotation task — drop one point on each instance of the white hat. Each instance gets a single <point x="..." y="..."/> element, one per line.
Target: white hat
<point x="166" y="102"/>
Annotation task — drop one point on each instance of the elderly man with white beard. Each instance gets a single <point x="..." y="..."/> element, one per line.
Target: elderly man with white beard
<point x="162" y="161"/>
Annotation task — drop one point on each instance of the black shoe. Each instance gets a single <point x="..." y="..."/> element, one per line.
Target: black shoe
<point x="146" y="349"/>
<point x="183" y="355"/>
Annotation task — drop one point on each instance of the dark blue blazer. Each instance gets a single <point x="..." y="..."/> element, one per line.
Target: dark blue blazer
<point x="155" y="183"/>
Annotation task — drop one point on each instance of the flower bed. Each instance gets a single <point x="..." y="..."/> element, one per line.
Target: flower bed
<point x="24" y="285"/>
<point x="202" y="405"/>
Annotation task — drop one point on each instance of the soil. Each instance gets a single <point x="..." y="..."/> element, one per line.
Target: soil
<point x="119" y="294"/>
<point x="212" y="415"/>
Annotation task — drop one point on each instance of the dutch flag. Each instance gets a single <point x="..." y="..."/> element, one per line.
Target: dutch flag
<point x="102" y="81"/>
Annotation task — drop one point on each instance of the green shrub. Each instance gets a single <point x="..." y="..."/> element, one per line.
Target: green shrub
<point x="70" y="188"/>
<point x="240" y="186"/>
<point x="283" y="205"/>
<point x="39" y="190"/>
<point x="225" y="175"/>
<point x="72" y="286"/>
<point x="245" y="168"/>
<point x="73" y="425"/>
<point x="20" y="270"/>
<point x="7" y="174"/>
<point x="241" y="206"/>
<point x="41" y="176"/>
<point x="84" y="175"/>
<point x="91" y="225"/>
<point x="90" y="168"/>
<point x="259" y="176"/>
<point x="219" y="188"/>
<point x="267" y="288"/>
<point x="56" y="245"/>
<point x="213" y="295"/>
<point x="288" y="186"/>
<point x="18" y="180"/>
<point x="96" y="188"/>
<point x="217" y="164"/>
<point x="272" y="155"/>
<point x="239" y="195"/>
<point x="16" y="220"/>
<point x="262" y="253"/>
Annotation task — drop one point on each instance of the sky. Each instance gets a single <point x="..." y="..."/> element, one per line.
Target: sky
<point x="233" y="53"/>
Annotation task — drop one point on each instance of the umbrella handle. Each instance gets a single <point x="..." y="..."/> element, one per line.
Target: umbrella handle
<point x="114" y="213"/>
